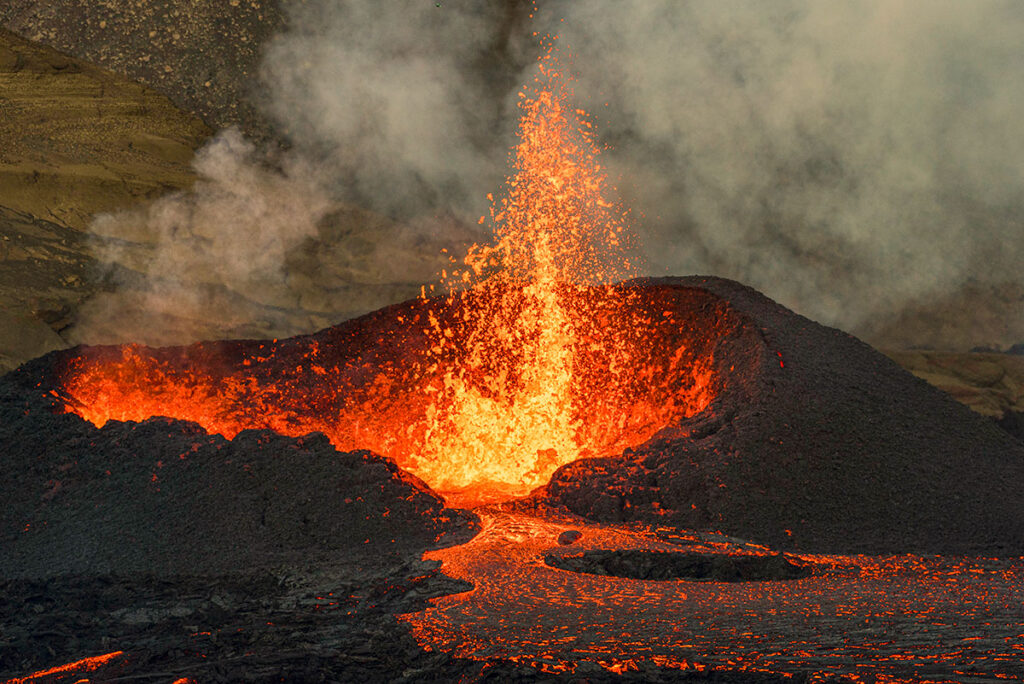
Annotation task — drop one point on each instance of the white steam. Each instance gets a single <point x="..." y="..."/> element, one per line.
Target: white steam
<point x="849" y="159"/>
<point x="392" y="96"/>
<point x="844" y="157"/>
<point x="211" y="256"/>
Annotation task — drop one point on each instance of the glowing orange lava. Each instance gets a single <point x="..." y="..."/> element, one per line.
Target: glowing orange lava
<point x="854" y="619"/>
<point x="61" y="671"/>
<point x="555" y="229"/>
<point x="531" y="360"/>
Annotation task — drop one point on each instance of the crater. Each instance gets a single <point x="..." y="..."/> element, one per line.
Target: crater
<point x="665" y="357"/>
<point x="726" y="412"/>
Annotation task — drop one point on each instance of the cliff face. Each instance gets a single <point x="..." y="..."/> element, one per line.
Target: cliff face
<point x="992" y="384"/>
<point x="75" y="140"/>
<point x="201" y="54"/>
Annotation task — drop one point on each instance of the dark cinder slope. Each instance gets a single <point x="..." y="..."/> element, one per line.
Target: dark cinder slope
<point x="163" y="497"/>
<point x="833" y="448"/>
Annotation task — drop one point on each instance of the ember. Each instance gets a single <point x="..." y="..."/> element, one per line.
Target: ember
<point x="366" y="385"/>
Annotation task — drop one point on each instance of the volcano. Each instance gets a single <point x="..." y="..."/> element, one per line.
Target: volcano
<point x="793" y="434"/>
<point x="791" y="437"/>
<point x="494" y="482"/>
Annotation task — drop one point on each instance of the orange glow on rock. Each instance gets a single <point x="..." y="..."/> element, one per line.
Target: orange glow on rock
<point x="532" y="359"/>
<point x="379" y="384"/>
<point x="853" y="619"/>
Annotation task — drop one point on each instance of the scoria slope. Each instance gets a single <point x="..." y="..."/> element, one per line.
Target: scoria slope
<point x="833" y="448"/>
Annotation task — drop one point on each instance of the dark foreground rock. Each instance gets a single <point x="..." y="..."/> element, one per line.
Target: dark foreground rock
<point x="1013" y="423"/>
<point x="258" y="559"/>
<point x="334" y="625"/>
<point x="663" y="565"/>
<point x="164" y="497"/>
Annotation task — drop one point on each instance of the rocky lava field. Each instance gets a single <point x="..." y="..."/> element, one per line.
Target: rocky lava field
<point x="826" y="514"/>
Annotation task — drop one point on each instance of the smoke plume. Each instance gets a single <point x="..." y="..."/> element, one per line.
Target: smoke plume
<point x="847" y="158"/>
<point x="190" y="262"/>
<point x="850" y="159"/>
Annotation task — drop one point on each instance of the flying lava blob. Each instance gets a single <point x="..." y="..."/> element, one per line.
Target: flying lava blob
<point x="532" y="359"/>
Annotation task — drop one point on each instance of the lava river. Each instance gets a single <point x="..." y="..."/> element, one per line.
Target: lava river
<point x="857" y="618"/>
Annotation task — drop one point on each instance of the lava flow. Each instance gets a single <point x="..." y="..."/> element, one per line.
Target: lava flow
<point x="74" y="669"/>
<point x="532" y="359"/>
<point x="899" y="618"/>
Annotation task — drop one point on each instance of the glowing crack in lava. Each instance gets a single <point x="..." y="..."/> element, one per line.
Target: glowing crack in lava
<point x="59" y="672"/>
<point x="531" y="360"/>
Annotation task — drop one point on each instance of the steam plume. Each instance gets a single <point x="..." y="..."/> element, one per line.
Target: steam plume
<point x="847" y="158"/>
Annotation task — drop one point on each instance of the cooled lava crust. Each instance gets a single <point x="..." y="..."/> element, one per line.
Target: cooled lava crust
<point x="812" y="441"/>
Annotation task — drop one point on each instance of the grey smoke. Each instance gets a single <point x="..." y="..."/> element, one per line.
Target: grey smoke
<point x="844" y="157"/>
<point x="847" y="158"/>
<point x="395" y="96"/>
<point x="231" y="232"/>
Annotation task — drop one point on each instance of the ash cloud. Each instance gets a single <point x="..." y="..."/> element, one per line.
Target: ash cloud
<point x="850" y="159"/>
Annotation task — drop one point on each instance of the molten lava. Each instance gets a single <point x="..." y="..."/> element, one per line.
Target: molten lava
<point x="374" y="382"/>
<point x="59" y="672"/>
<point x="532" y="359"/>
<point x="519" y="420"/>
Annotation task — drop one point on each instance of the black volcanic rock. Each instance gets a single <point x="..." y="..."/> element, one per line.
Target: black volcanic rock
<point x="569" y="537"/>
<point x="1013" y="423"/>
<point x="830" y="447"/>
<point x="165" y="497"/>
<point x="663" y="565"/>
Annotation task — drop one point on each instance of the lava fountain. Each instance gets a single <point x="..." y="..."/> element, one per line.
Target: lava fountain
<point x="531" y="358"/>
<point x="510" y="411"/>
<point x="677" y="406"/>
